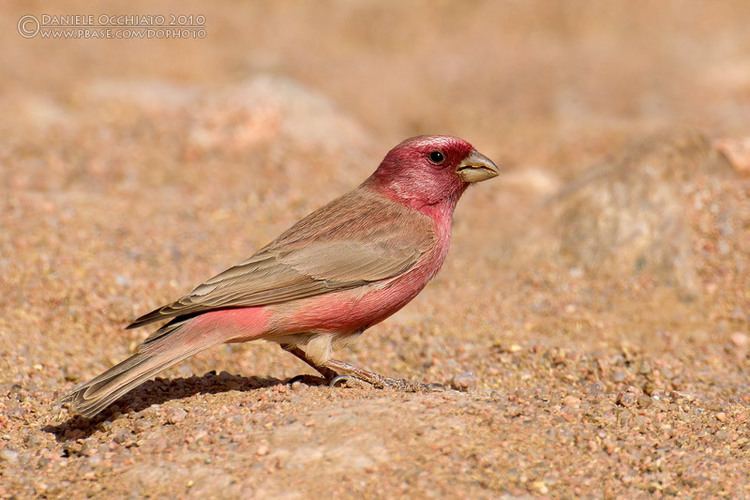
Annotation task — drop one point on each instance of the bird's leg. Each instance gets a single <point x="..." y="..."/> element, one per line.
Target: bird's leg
<point x="334" y="370"/>
<point x="327" y="373"/>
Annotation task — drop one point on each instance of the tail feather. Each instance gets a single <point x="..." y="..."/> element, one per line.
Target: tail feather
<point x="151" y="358"/>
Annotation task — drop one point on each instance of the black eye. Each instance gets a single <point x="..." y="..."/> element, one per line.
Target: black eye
<point x="437" y="157"/>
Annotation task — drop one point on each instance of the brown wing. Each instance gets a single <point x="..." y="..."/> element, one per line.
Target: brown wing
<point x="358" y="239"/>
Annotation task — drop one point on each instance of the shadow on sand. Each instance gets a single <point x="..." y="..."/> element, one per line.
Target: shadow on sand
<point x="160" y="391"/>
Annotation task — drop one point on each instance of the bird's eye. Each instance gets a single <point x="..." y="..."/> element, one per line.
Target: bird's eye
<point x="437" y="157"/>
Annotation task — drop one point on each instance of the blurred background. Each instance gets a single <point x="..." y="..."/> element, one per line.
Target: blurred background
<point x="532" y="81"/>
<point x="618" y="237"/>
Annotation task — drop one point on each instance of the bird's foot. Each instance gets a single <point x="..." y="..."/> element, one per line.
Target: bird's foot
<point x="376" y="380"/>
<point x="340" y="373"/>
<point x="342" y="381"/>
<point x="398" y="384"/>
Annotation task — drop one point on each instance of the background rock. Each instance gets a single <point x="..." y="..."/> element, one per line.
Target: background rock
<point x="631" y="215"/>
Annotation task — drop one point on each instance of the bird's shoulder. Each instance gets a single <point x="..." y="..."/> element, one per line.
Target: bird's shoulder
<point x="361" y="215"/>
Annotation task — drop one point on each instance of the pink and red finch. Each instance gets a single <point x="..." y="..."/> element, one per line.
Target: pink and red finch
<point x="335" y="273"/>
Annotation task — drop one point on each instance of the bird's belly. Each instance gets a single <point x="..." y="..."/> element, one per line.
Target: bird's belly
<point x="355" y="310"/>
<point x="349" y="311"/>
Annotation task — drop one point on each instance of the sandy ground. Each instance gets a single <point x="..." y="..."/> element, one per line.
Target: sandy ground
<point x="592" y="320"/>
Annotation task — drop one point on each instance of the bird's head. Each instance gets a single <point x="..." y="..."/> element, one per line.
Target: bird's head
<point x="428" y="170"/>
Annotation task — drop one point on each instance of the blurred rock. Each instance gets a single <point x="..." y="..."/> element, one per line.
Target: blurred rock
<point x="737" y="152"/>
<point x="628" y="215"/>
<point x="175" y="415"/>
<point x="8" y="455"/>
<point x="234" y="119"/>
<point x="144" y="94"/>
<point x="307" y="117"/>
<point x="42" y="111"/>
<point x="532" y="179"/>
<point x="571" y="401"/>
<point x="464" y="381"/>
<point x="739" y="339"/>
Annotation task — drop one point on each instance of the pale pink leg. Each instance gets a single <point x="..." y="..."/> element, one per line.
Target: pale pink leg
<point x="334" y="371"/>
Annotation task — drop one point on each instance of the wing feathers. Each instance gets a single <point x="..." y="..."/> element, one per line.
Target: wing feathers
<point x="358" y="239"/>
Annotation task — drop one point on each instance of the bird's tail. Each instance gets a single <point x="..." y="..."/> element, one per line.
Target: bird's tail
<point x="177" y="342"/>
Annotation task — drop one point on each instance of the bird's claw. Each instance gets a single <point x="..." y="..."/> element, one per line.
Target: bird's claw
<point x="339" y="379"/>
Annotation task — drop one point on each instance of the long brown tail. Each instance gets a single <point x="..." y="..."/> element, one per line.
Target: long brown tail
<point x="178" y="343"/>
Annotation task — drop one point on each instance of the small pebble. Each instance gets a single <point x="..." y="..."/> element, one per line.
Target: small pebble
<point x="464" y="381"/>
<point x="571" y="401"/>
<point x="740" y="339"/>
<point x="9" y="456"/>
<point x="644" y="401"/>
<point x="175" y="415"/>
<point x="122" y="280"/>
<point x="141" y="425"/>
<point x="121" y="436"/>
<point x="627" y="399"/>
<point x="540" y="487"/>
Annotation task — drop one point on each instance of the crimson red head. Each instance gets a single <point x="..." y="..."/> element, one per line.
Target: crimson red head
<point x="426" y="170"/>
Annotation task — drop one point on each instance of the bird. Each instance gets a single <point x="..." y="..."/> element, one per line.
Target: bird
<point x="324" y="281"/>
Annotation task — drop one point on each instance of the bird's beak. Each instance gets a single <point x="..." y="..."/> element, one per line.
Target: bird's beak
<point x="477" y="168"/>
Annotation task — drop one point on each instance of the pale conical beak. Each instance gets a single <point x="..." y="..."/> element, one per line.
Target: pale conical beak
<point x="477" y="168"/>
